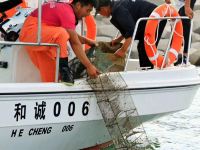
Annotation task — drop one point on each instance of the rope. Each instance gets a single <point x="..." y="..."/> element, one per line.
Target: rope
<point x="151" y="45"/>
<point x="146" y="39"/>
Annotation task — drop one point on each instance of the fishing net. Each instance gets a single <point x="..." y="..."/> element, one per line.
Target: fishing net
<point x="102" y="56"/>
<point x="114" y="100"/>
<point x="119" y="112"/>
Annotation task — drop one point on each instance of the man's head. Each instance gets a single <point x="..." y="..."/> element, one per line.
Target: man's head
<point x="103" y="7"/>
<point x="82" y="8"/>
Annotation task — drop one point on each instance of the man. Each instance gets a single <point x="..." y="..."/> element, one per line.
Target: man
<point x="125" y="14"/>
<point x="58" y="26"/>
<point x="185" y="10"/>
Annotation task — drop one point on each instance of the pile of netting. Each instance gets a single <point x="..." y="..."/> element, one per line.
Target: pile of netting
<point x="102" y="56"/>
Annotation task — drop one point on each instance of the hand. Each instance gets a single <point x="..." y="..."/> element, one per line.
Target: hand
<point x="114" y="42"/>
<point x="92" y="72"/>
<point x="188" y="12"/>
<point x="93" y="43"/>
<point x="120" y="53"/>
<point x="168" y="1"/>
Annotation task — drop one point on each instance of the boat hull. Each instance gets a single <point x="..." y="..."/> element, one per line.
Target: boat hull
<point x="73" y="123"/>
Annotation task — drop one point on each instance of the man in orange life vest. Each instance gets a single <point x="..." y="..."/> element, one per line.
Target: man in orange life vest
<point x="124" y="15"/>
<point x="58" y="26"/>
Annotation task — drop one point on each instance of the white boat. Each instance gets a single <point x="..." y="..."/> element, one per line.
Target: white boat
<point x="35" y="115"/>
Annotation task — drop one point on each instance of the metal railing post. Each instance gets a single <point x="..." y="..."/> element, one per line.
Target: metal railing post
<point x="39" y="21"/>
<point x="165" y="60"/>
<point x="57" y="63"/>
<point x="189" y="42"/>
<point x="132" y="42"/>
<point x="38" y="43"/>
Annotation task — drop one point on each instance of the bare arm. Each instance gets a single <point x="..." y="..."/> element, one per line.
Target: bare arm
<point x="117" y="40"/>
<point x="78" y="50"/>
<point x="187" y="3"/>
<point x="188" y="9"/>
<point x="122" y="51"/>
<point x="85" y="40"/>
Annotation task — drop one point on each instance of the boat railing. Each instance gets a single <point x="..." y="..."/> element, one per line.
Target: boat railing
<point x="38" y="43"/>
<point x="170" y="39"/>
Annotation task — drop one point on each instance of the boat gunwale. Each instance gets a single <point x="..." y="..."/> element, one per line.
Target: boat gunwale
<point x="92" y="91"/>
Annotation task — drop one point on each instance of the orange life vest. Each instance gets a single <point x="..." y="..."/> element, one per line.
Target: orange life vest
<point x="91" y="29"/>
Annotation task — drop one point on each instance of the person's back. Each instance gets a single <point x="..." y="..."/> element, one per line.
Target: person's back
<point x="124" y="15"/>
<point x="57" y="14"/>
<point x="137" y="8"/>
<point x="58" y="27"/>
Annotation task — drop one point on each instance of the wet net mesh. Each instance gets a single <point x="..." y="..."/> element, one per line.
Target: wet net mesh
<point x="102" y="56"/>
<point x="119" y="112"/>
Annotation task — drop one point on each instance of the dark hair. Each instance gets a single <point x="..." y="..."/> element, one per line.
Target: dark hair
<point x="85" y="2"/>
<point x="102" y="3"/>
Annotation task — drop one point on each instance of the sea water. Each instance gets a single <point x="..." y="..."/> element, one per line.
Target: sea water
<point x="179" y="131"/>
